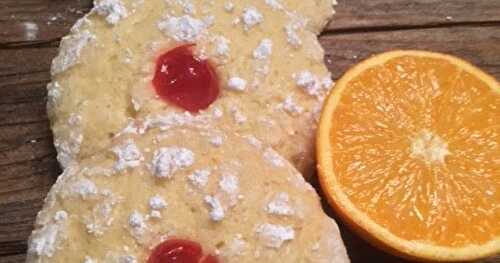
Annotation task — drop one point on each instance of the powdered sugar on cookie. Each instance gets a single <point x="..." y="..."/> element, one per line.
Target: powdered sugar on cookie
<point x="183" y="28"/>
<point x="112" y="10"/>
<point x="70" y="50"/>
<point x="274" y="236"/>
<point x="167" y="161"/>
<point x="128" y="155"/>
<point x="216" y="210"/>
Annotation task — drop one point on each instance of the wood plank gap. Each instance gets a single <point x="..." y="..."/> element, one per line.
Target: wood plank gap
<point x="378" y="29"/>
<point x="51" y="43"/>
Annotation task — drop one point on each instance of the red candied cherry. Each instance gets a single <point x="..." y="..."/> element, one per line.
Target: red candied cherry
<point x="185" y="80"/>
<point x="180" y="251"/>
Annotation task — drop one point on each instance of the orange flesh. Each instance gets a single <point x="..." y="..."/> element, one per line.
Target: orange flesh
<point x="415" y="146"/>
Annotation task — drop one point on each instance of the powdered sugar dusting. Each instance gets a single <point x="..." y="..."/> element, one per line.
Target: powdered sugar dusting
<point x="89" y="260"/>
<point x="43" y="242"/>
<point x="292" y="29"/>
<point x="264" y="50"/>
<point x="238" y="116"/>
<point x="237" y="246"/>
<point x="70" y="50"/>
<point x="128" y="154"/>
<point x="274" y="158"/>
<point x="237" y="84"/>
<point x="229" y="184"/>
<point x="290" y="105"/>
<point x="184" y="28"/>
<point x="251" y="17"/>
<point x="136" y="220"/>
<point x="217" y="140"/>
<point x="229" y="7"/>
<point x="274" y="236"/>
<point x="216" y="210"/>
<point x="222" y="46"/>
<point x="112" y="10"/>
<point x="127" y="259"/>
<point x="280" y="205"/>
<point x="157" y="202"/>
<point x="274" y="4"/>
<point x="252" y="140"/>
<point x="53" y="93"/>
<point x="199" y="178"/>
<point x="187" y="6"/>
<point x="83" y="188"/>
<point x="167" y="161"/>
<point x="69" y="148"/>
<point x="312" y="84"/>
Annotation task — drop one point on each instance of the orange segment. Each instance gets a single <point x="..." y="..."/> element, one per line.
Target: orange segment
<point x="409" y="155"/>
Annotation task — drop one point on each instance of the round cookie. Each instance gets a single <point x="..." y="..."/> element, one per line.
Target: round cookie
<point x="176" y="178"/>
<point x="266" y="55"/>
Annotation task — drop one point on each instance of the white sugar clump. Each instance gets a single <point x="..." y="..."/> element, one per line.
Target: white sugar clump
<point x="280" y="205"/>
<point x="53" y="93"/>
<point x="229" y="7"/>
<point x="199" y="178"/>
<point x="274" y="4"/>
<point x="289" y="105"/>
<point x="167" y="161"/>
<point x="155" y="214"/>
<point x="128" y="154"/>
<point x="238" y="116"/>
<point x="112" y="10"/>
<point x="229" y="184"/>
<point x="311" y="84"/>
<point x="222" y="46"/>
<point x="127" y="259"/>
<point x="136" y="220"/>
<point x="60" y="216"/>
<point x="251" y="17"/>
<point x="217" y="113"/>
<point x="43" y="242"/>
<point x="184" y="28"/>
<point x="237" y="84"/>
<point x="237" y="246"/>
<point x="157" y="203"/>
<point x="216" y="210"/>
<point x="83" y="188"/>
<point x="274" y="158"/>
<point x="217" y="140"/>
<point x="252" y="140"/>
<point x="264" y="50"/>
<point x="293" y="37"/>
<point x="187" y="6"/>
<point x="274" y="236"/>
<point x="70" y="50"/>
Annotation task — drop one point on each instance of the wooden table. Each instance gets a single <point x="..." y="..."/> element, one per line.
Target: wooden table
<point x="467" y="28"/>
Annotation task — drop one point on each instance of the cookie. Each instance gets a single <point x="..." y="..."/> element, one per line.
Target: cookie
<point x="172" y="185"/>
<point x="264" y="55"/>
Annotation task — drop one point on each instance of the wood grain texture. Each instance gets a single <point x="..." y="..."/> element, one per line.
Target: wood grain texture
<point x="361" y="28"/>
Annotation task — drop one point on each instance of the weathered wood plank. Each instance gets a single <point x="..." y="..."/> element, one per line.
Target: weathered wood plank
<point x="360" y="29"/>
<point x="13" y="259"/>
<point x="413" y="13"/>
<point x="30" y="168"/>
<point x="55" y="17"/>
<point x="479" y="45"/>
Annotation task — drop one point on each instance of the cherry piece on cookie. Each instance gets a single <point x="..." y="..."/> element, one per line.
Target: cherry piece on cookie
<point x="185" y="80"/>
<point x="179" y="251"/>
